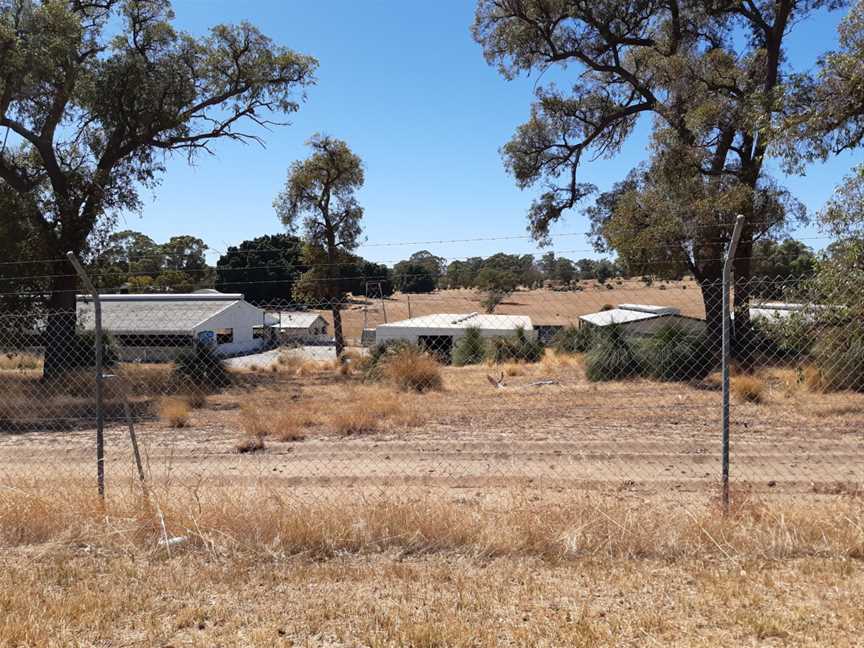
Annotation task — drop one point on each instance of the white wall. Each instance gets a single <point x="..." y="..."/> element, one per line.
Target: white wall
<point x="411" y="333"/>
<point x="240" y="316"/>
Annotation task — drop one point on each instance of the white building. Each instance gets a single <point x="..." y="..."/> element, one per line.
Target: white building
<point x="157" y="327"/>
<point x="298" y="326"/>
<point x="439" y="332"/>
<point x="642" y="319"/>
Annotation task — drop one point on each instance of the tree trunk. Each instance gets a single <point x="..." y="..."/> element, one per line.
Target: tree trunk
<point x="59" y="336"/>
<point x="337" y="327"/>
<point x="712" y="298"/>
<point x="743" y="343"/>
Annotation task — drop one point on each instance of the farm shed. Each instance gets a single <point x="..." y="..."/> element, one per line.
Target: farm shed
<point x="297" y="326"/>
<point x="642" y="319"/>
<point x="438" y="332"/>
<point x="774" y="311"/>
<point x="154" y="328"/>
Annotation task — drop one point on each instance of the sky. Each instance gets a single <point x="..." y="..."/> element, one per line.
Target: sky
<point x="409" y="90"/>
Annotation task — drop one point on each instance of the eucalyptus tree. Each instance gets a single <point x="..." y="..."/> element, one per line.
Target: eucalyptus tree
<point x="319" y="196"/>
<point x="95" y="95"/>
<point x="710" y="74"/>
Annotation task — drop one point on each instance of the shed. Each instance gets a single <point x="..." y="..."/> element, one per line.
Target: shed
<point x="437" y="333"/>
<point x="642" y="319"/>
<point x="156" y="327"/>
<point x="298" y="326"/>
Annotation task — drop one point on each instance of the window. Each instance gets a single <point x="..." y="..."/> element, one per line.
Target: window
<point x="224" y="336"/>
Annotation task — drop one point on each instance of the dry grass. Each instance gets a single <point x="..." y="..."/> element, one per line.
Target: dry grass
<point x="174" y="412"/>
<point x="748" y="389"/>
<point x="71" y="599"/>
<point x="513" y="369"/>
<point x="263" y="417"/>
<point x="258" y="568"/>
<point x="20" y="362"/>
<point x="361" y="409"/>
<point x="517" y="525"/>
<point x="413" y="370"/>
<point x="367" y="414"/>
<point x="251" y="443"/>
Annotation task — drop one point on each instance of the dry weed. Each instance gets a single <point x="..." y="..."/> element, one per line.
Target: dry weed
<point x="20" y="362"/>
<point x="261" y="418"/>
<point x="412" y="370"/>
<point x="748" y="389"/>
<point x="251" y="443"/>
<point x="174" y="411"/>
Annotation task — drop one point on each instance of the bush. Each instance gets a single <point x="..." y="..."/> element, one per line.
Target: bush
<point x="612" y="356"/>
<point x="748" y="389"/>
<point x="782" y="339"/>
<point x="573" y="340"/>
<point x="174" y="412"/>
<point x="674" y="353"/>
<point x="413" y="370"/>
<point x="82" y="351"/>
<point x="516" y="348"/>
<point x="470" y="349"/>
<point x="379" y="353"/>
<point x="839" y="358"/>
<point x="201" y="369"/>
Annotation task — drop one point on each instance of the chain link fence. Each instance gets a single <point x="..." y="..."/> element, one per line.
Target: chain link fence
<point x="612" y="388"/>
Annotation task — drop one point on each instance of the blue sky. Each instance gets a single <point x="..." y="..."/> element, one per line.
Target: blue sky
<point x="405" y="85"/>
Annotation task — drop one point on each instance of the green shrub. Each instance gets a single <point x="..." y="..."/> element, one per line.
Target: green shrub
<point x="82" y="351"/>
<point x="674" y="353"/>
<point x="470" y="349"/>
<point x="839" y="356"/>
<point x="783" y="339"/>
<point x="573" y="340"/>
<point x="379" y="353"/>
<point x="201" y="368"/>
<point x="611" y="356"/>
<point x="516" y="348"/>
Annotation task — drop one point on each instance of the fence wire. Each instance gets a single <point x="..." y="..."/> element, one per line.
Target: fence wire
<point x="610" y="388"/>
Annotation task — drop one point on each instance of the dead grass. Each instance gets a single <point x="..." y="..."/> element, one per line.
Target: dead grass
<point x="174" y="412"/>
<point x="367" y="415"/>
<point x="263" y="417"/>
<point x="413" y="370"/>
<point x="519" y="526"/>
<point x="251" y="443"/>
<point x="748" y="388"/>
<point x="20" y="362"/>
<point x="355" y="410"/>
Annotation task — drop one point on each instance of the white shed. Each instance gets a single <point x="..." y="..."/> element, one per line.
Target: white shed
<point x="438" y="332"/>
<point x="156" y="327"/>
<point x="301" y="326"/>
<point x="642" y="319"/>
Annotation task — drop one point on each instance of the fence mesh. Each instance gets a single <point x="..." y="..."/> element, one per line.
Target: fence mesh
<point x="608" y="388"/>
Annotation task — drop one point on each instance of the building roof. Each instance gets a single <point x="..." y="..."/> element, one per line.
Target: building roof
<point x="168" y="314"/>
<point x="294" y="319"/>
<point x="464" y="321"/>
<point x="626" y="313"/>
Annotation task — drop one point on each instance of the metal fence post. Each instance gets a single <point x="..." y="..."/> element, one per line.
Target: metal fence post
<point x="100" y="413"/>
<point x="726" y="352"/>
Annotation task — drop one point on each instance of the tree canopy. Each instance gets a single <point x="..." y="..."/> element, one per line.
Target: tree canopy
<point x="265" y="269"/>
<point x="710" y="75"/>
<point x="319" y="197"/>
<point x="96" y="95"/>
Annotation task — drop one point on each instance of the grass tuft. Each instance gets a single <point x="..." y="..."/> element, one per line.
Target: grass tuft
<point x="174" y="411"/>
<point x="748" y="389"/>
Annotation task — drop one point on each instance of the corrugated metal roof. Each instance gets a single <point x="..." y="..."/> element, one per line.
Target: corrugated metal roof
<point x="294" y="319"/>
<point x="649" y="308"/>
<point x="616" y="316"/>
<point x="464" y="321"/>
<point x="170" y="315"/>
<point x="628" y="313"/>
